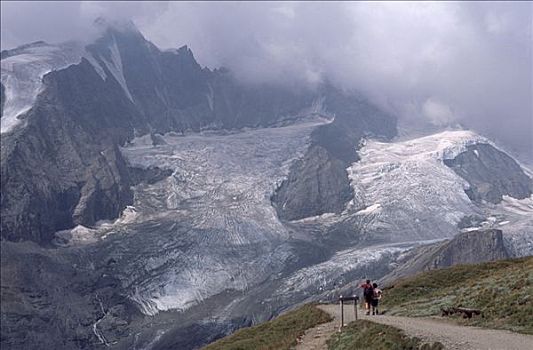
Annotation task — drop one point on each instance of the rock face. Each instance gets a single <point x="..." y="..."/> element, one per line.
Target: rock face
<point x="62" y="167"/>
<point x="465" y="248"/>
<point x="319" y="183"/>
<point x="49" y="302"/>
<point x="491" y="174"/>
<point x="2" y="99"/>
<point x="60" y="170"/>
<point x="472" y="247"/>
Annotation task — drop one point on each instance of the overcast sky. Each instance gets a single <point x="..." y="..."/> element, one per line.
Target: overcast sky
<point x="441" y="63"/>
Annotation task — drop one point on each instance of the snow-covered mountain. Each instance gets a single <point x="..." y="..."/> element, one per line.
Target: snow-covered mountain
<point x="404" y="183"/>
<point x="169" y="204"/>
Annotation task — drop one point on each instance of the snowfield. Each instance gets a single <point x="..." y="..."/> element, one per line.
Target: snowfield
<point x="22" y="74"/>
<point x="407" y="190"/>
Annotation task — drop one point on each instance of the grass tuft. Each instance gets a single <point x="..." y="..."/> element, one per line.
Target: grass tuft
<point x="280" y="333"/>
<point x="363" y="334"/>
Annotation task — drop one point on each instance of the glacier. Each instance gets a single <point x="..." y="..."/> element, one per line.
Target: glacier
<point x="409" y="183"/>
<point x="216" y="203"/>
<point x="404" y="187"/>
<point x="211" y="227"/>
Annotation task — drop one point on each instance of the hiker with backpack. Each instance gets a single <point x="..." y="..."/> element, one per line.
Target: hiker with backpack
<point x="375" y="298"/>
<point x="368" y="295"/>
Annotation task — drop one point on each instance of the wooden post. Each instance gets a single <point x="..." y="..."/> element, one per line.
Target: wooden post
<point x="355" y="306"/>
<point x="342" y="312"/>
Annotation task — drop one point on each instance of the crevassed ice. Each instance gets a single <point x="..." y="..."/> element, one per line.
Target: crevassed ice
<point x="220" y="187"/>
<point x="417" y="195"/>
<point x="324" y="275"/>
<point x="342" y="262"/>
<point x="515" y="218"/>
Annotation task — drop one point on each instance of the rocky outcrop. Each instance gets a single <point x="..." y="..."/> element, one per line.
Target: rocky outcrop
<point x="491" y="174"/>
<point x="471" y="247"/>
<point x="64" y="167"/>
<point x="149" y="175"/>
<point x="2" y="99"/>
<point x="60" y="299"/>
<point x="465" y="248"/>
<point x="318" y="183"/>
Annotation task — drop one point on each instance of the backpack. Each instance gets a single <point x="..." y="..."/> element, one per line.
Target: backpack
<point x="368" y="292"/>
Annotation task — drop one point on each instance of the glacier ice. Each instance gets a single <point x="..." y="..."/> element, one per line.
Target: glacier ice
<point x="217" y="205"/>
<point x="22" y="73"/>
<point x="210" y="226"/>
<point x="22" y="76"/>
<point x="407" y="188"/>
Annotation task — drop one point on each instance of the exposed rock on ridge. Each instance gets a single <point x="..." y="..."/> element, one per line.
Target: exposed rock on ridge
<point x="491" y="174"/>
<point x="465" y="248"/>
<point x="319" y="183"/>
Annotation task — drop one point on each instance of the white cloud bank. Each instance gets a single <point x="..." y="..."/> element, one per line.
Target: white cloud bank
<point x="437" y="62"/>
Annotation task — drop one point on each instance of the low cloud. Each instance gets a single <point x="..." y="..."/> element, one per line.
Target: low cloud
<point x="429" y="62"/>
<point x="438" y="113"/>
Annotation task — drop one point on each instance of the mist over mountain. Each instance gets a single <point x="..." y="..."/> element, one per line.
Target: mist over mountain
<point x="431" y="63"/>
<point x="150" y="198"/>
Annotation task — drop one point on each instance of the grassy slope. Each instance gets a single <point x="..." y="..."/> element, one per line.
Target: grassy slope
<point x="280" y="333"/>
<point x="364" y="334"/>
<point x="503" y="290"/>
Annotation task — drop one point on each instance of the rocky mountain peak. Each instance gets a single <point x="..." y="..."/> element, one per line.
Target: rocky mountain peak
<point x="186" y="53"/>
<point x="117" y="33"/>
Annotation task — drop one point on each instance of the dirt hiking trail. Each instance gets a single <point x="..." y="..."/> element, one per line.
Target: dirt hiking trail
<point x="452" y="336"/>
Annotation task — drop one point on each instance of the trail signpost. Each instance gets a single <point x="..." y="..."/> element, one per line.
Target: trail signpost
<point x="342" y="299"/>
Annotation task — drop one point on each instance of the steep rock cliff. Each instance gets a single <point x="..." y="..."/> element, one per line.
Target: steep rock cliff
<point x="465" y="248"/>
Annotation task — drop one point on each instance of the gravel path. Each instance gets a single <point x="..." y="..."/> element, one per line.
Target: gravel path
<point x="452" y="336"/>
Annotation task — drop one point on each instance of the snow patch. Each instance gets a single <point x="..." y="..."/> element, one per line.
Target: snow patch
<point x="22" y="74"/>
<point x="210" y="98"/>
<point x="78" y="235"/>
<point x="115" y="67"/>
<point x="370" y="209"/>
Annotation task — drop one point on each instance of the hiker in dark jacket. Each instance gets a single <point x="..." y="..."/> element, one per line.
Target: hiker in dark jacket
<point x="375" y="298"/>
<point x="368" y="295"/>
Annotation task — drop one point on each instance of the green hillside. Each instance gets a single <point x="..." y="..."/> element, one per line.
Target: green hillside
<point x="280" y="333"/>
<point x="502" y="290"/>
<point x="363" y="334"/>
